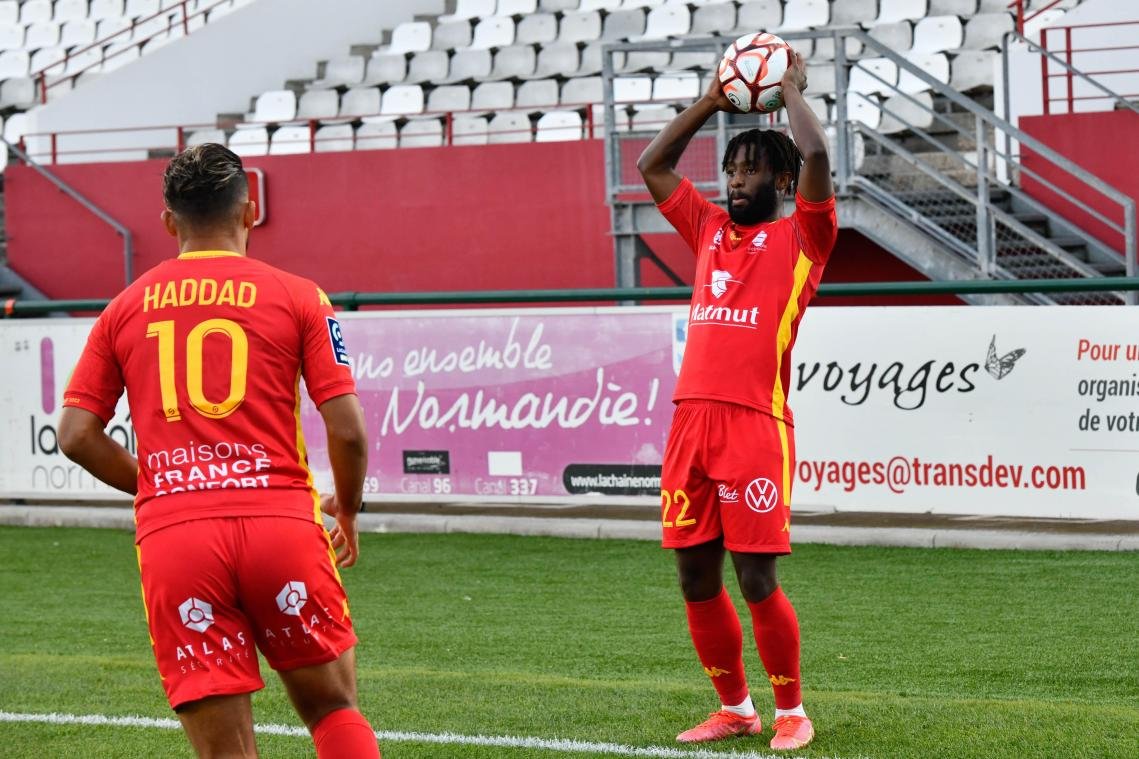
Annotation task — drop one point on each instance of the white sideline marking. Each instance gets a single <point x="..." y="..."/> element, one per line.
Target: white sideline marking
<point x="399" y="736"/>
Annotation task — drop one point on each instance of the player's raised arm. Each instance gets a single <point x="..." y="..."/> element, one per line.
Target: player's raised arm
<point x="348" y="455"/>
<point x="658" y="162"/>
<point x="815" y="176"/>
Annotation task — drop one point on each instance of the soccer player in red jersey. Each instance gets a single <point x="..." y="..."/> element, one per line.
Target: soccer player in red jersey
<point x="210" y="348"/>
<point x="726" y="479"/>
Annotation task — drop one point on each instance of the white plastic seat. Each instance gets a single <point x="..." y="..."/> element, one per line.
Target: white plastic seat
<point x="106" y="9"/>
<point x="514" y="62"/>
<point x="591" y="56"/>
<point x="492" y="96"/>
<point x="901" y="114"/>
<point x="557" y="59"/>
<point x="986" y="31"/>
<point x="468" y="64"/>
<point x="421" y="133"/>
<point x="376" y="135"/>
<point x="386" y="68"/>
<point x="702" y="60"/>
<point x="402" y="100"/>
<point x="141" y="8"/>
<point x="275" y="105"/>
<point x="536" y="29"/>
<point x="891" y="11"/>
<point x="934" y="64"/>
<point x="821" y="78"/>
<point x="113" y="30"/>
<point x="853" y="12"/>
<point x="873" y="75"/>
<point x="667" y="21"/>
<point x="632" y="89"/>
<point x="824" y="49"/>
<point x="11" y="36"/>
<point x="333" y="138"/>
<point x="937" y="34"/>
<point x="69" y="10"/>
<point x="963" y="8"/>
<point x="582" y="90"/>
<point x="553" y="6"/>
<point x="972" y="69"/>
<point x="450" y="36"/>
<point x="493" y="32"/>
<point x="360" y="101"/>
<point x="623" y="25"/>
<point x="896" y="35"/>
<point x="620" y="117"/>
<point x="204" y="137"/>
<point x="515" y="7"/>
<point x="77" y="32"/>
<point x="469" y="130"/>
<point x="339" y="72"/>
<point x="644" y="60"/>
<point x="250" y="141"/>
<point x="758" y="15"/>
<point x="537" y="94"/>
<point x="676" y="87"/>
<point x="820" y="108"/>
<point x="35" y="12"/>
<point x="290" y="140"/>
<point x="580" y="26"/>
<point x="319" y="104"/>
<point x="49" y="59"/>
<point x="652" y="119"/>
<point x="466" y="9"/>
<point x="510" y="126"/>
<point x="449" y="98"/>
<point x="10" y="12"/>
<point x="428" y="66"/>
<point x="804" y="14"/>
<point x="17" y="92"/>
<point x="41" y="34"/>
<point x="120" y="54"/>
<point x="865" y="108"/>
<point x="714" y="19"/>
<point x="599" y="5"/>
<point x="558" y="126"/>
<point x="410" y="37"/>
<point x="86" y="61"/>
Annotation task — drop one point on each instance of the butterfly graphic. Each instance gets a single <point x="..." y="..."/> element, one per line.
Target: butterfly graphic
<point x="999" y="366"/>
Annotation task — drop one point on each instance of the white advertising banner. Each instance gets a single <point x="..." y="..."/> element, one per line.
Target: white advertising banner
<point x="1017" y="411"/>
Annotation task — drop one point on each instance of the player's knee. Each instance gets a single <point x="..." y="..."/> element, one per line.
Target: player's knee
<point x="757" y="584"/>
<point x="699" y="584"/>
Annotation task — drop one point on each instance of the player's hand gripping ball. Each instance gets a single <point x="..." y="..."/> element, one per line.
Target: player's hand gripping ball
<point x="751" y="71"/>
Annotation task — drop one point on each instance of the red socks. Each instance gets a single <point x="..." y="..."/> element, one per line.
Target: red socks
<point x="777" y="636"/>
<point x="344" y="734"/>
<point x="716" y="633"/>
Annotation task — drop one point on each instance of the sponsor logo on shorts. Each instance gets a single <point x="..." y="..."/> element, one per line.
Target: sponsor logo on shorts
<point x="728" y="495"/>
<point x="761" y="495"/>
<point x="196" y="614"/>
<point x="292" y="597"/>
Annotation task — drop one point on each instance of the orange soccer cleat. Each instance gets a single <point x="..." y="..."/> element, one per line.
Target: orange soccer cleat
<point x="792" y="732"/>
<point x="720" y="725"/>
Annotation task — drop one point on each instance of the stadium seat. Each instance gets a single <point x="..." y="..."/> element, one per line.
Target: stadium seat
<point x="667" y="21"/>
<point x="986" y="31"/>
<point x="537" y="94"/>
<point x="821" y="78"/>
<point x="69" y="10"/>
<point x="652" y="119"/>
<point x="106" y="9"/>
<point x="582" y="90"/>
<point x="360" y="101"/>
<point x="275" y="106"/>
<point x="468" y="65"/>
<point x="41" y="34"/>
<point x="756" y="15"/>
<point x="409" y="37"/>
<point x="554" y="6"/>
<point x="17" y="92"/>
<point x="86" y="61"/>
<point x="385" y="68"/>
<point x="492" y="96"/>
<point x="558" y="126"/>
<point x="632" y="89"/>
<point x="820" y="108"/>
<point x="9" y="12"/>
<point x="600" y="5"/>
<point x="249" y="140"/>
<point x="510" y="126"/>
<point x="537" y="29"/>
<point x="341" y="72"/>
<point x="375" y="134"/>
<point x="892" y="11"/>
<point x="805" y="14"/>
<point x="516" y="7"/>
<point x="448" y="98"/>
<point x="402" y="100"/>
<point x="137" y="9"/>
<point x="972" y="70"/>
<point x="824" y="49"/>
<point x="963" y="8"/>
<point x="937" y="34"/>
<point x="15" y="127"/>
<point x="469" y="130"/>
<point x="896" y="35"/>
<point x="702" y="60"/>
<point x="864" y="107"/>
<point x="620" y="115"/>
<point x="934" y="64"/>
<point x="333" y="138"/>
<point x="319" y="104"/>
<point x="645" y="60"/>
<point x="682" y="87"/>
<point x="120" y="54"/>
<point x="47" y="58"/>
<point x="580" y="26"/>
<point x="35" y="12"/>
<point x="429" y="66"/>
<point x="901" y="114"/>
<point x="493" y="32"/>
<point x="450" y="36"/>
<point x="623" y="25"/>
<point x="853" y="12"/>
<point x="470" y="9"/>
<point x="591" y="60"/>
<point x="513" y="62"/>
<point x="713" y="19"/>
<point x="557" y="59"/>
<point x="290" y="140"/>
<point x="204" y="136"/>
<point x="873" y="75"/>
<point x="113" y="30"/>
<point x="11" y="36"/>
<point x="421" y="133"/>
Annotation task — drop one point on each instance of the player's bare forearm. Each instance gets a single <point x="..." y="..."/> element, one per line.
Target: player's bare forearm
<point x="815" y="176"/>
<point x="658" y="162"/>
<point x="347" y="449"/>
<point x="82" y="439"/>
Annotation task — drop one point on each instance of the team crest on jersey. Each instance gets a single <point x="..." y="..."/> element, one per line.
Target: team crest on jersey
<point x="336" y="337"/>
<point x="720" y="280"/>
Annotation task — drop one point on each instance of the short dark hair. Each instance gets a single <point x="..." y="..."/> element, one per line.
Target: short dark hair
<point x="204" y="184"/>
<point x="780" y="151"/>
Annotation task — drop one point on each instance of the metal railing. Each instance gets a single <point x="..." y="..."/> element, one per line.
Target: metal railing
<point x="1071" y="75"/>
<point x="353" y="301"/>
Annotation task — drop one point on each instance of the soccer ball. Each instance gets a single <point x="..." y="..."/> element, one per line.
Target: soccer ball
<point x="750" y="72"/>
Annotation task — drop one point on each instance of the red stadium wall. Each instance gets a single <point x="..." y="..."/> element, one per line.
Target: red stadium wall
<point x="498" y="217"/>
<point x="1103" y="143"/>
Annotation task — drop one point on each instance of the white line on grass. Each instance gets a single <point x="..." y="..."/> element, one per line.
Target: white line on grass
<point x="400" y="736"/>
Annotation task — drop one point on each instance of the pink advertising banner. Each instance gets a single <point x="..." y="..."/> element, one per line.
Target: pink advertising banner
<point x="511" y="404"/>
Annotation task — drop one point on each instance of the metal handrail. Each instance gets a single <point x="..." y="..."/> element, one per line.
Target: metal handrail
<point x="353" y="301"/>
<point x="1119" y="100"/>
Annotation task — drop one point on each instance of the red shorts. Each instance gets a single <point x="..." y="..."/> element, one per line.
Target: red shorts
<point x="727" y="472"/>
<point x="215" y="588"/>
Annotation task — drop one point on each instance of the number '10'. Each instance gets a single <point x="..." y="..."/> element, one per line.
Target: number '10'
<point x="238" y="367"/>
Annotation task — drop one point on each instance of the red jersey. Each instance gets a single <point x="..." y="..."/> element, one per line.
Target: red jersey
<point x="210" y="348"/>
<point x="748" y="298"/>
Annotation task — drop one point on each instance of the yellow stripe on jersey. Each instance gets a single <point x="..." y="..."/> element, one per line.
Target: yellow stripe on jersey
<point x="190" y="254"/>
<point x="783" y="337"/>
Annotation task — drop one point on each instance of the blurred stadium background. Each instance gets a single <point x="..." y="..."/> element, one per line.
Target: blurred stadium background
<point x="413" y="153"/>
